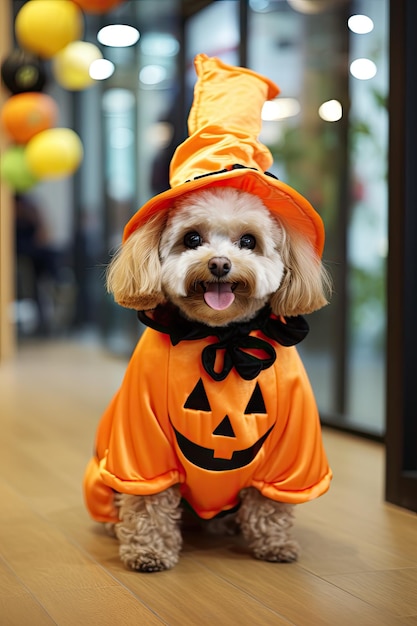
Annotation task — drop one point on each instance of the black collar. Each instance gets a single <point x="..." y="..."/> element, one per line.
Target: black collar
<point x="234" y="339"/>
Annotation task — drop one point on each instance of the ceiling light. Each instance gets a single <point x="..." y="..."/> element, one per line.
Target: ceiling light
<point x="331" y="111"/>
<point x="118" y="35"/>
<point x="259" y="5"/>
<point x="360" y="24"/>
<point x="118" y="101"/>
<point x="311" y="7"/>
<point x="101" y="69"/>
<point x="159" y="44"/>
<point x="152" y="74"/>
<point x="363" y="69"/>
<point x="280" y="109"/>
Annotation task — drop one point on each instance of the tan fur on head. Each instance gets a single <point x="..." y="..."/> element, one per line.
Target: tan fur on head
<point x="306" y="284"/>
<point x="134" y="274"/>
<point x="154" y="265"/>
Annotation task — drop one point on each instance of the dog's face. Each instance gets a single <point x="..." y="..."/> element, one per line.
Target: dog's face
<point x="220" y="256"/>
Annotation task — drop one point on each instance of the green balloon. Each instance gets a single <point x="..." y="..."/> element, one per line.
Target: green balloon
<point x="14" y="170"/>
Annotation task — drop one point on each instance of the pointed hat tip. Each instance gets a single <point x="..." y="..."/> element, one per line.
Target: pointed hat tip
<point x="225" y="121"/>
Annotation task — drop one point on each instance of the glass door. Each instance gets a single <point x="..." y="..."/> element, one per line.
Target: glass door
<point x="328" y="133"/>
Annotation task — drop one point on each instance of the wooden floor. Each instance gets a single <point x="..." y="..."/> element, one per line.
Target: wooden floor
<point x="359" y="561"/>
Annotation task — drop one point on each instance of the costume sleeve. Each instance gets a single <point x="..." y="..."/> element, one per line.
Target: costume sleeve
<point x="134" y="447"/>
<point x="295" y="468"/>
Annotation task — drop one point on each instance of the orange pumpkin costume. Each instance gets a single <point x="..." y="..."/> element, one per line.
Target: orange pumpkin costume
<point x="173" y="422"/>
<point x="216" y="410"/>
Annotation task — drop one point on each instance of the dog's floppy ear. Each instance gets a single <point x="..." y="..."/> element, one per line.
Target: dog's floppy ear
<point x="306" y="284"/>
<point x="134" y="274"/>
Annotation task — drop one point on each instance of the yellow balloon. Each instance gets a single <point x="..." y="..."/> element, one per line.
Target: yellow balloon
<point x="71" y="66"/>
<point x="46" y="26"/>
<point x="54" y="153"/>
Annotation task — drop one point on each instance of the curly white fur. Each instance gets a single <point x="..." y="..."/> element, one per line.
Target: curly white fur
<point x="154" y="266"/>
<point x="266" y="526"/>
<point x="148" y="531"/>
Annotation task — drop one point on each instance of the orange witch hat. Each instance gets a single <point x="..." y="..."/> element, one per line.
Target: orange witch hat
<point x="223" y="149"/>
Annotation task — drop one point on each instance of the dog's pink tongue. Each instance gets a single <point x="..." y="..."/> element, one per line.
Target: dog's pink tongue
<point x="219" y="296"/>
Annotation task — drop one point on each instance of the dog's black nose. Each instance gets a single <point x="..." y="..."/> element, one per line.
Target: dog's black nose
<point x="219" y="266"/>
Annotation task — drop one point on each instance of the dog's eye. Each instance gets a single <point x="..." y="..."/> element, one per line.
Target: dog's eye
<point x="193" y="240"/>
<point x="247" y="241"/>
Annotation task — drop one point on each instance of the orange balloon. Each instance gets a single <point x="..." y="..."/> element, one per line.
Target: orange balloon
<point x="97" y="6"/>
<point x="27" y="114"/>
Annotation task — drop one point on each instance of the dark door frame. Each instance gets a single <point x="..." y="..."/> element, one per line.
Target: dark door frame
<point x="401" y="433"/>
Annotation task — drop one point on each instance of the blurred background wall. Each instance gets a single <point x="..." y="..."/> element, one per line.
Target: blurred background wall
<point x="328" y="133"/>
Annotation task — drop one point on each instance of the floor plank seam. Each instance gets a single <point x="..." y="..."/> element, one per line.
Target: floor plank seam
<point x="114" y="577"/>
<point x="24" y="586"/>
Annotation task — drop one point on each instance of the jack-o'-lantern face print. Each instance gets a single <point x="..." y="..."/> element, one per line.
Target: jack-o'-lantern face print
<point x="222" y="434"/>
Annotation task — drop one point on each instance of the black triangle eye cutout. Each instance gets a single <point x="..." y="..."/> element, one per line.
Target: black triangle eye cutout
<point x="256" y="403"/>
<point x="197" y="399"/>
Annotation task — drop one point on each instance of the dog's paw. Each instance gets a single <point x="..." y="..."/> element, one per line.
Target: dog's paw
<point x="149" y="561"/>
<point x="282" y="553"/>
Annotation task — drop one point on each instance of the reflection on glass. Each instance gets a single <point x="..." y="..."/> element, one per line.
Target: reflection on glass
<point x="367" y="226"/>
<point x="215" y="31"/>
<point x="334" y="151"/>
<point x="328" y="135"/>
<point x="119" y="131"/>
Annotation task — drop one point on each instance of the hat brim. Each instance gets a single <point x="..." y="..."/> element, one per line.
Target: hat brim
<point x="282" y="201"/>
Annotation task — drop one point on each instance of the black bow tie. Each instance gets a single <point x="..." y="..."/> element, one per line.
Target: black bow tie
<point x="234" y="340"/>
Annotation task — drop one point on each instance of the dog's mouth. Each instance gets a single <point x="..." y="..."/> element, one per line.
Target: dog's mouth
<point x="218" y="296"/>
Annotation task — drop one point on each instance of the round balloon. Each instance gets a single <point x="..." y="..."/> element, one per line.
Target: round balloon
<point x="97" y="6"/>
<point x="26" y="114"/>
<point x="46" y="26"/>
<point x="21" y="71"/>
<point x="71" y="66"/>
<point x="14" y="169"/>
<point x="54" y="153"/>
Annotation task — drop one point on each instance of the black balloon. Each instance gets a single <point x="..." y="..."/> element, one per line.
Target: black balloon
<point x="22" y="71"/>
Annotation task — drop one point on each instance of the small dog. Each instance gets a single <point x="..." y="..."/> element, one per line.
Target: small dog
<point x="215" y="412"/>
<point x="217" y="258"/>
